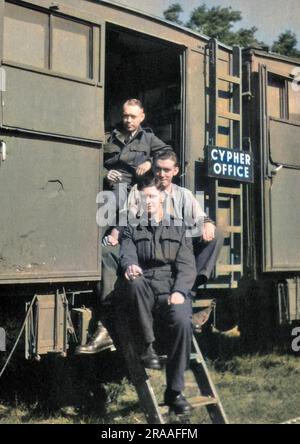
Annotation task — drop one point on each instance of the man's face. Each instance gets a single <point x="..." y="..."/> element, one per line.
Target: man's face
<point x="133" y="116"/>
<point x="152" y="198"/>
<point x="165" y="170"/>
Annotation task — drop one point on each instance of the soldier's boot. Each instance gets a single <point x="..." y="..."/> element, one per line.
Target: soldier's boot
<point x="177" y="402"/>
<point x="100" y="341"/>
<point x="149" y="358"/>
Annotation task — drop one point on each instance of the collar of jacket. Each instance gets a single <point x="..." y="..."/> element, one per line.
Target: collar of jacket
<point x="166" y="222"/>
<point x="119" y="134"/>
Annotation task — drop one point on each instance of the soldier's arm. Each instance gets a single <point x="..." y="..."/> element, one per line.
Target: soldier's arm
<point x="195" y="214"/>
<point x="128" y="252"/>
<point x="208" y="225"/>
<point x="185" y="266"/>
<point x="158" y="146"/>
<point x="111" y="153"/>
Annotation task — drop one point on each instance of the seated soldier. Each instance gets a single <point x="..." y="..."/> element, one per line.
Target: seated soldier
<point x="127" y="156"/>
<point x="158" y="271"/>
<point x="207" y="239"/>
<point x="129" y="151"/>
<point x="182" y="204"/>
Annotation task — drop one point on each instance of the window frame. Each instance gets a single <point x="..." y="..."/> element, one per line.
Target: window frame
<point x="288" y="87"/>
<point x="284" y="105"/>
<point x="96" y="43"/>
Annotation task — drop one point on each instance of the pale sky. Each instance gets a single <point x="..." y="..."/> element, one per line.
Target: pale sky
<point x="271" y="17"/>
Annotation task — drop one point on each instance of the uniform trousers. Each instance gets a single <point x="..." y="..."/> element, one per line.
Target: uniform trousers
<point x="148" y="312"/>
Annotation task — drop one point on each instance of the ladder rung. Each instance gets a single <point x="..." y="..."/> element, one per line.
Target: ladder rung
<point x="230" y="79"/>
<point x="196" y="357"/>
<point x="201" y="401"/>
<point x="202" y="303"/>
<point x="229" y="116"/>
<point x="228" y="268"/>
<point x="196" y="401"/>
<point x="233" y="229"/>
<point x="231" y="284"/>
<point x="230" y="191"/>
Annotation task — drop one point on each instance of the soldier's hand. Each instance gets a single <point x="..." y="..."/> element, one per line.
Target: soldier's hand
<point x="115" y="235"/>
<point x="109" y="241"/>
<point x="143" y="168"/>
<point x="114" y="176"/>
<point x="176" y="298"/>
<point x="208" y="231"/>
<point x="132" y="272"/>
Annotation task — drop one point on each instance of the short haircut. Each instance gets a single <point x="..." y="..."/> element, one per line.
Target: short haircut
<point x="166" y="155"/>
<point x="148" y="180"/>
<point x="134" y="102"/>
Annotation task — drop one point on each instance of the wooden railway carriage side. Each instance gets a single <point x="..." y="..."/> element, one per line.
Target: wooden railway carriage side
<point x="272" y="237"/>
<point x="66" y="68"/>
<point x="52" y="133"/>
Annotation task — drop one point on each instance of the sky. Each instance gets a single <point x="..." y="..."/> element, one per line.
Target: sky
<point x="271" y="17"/>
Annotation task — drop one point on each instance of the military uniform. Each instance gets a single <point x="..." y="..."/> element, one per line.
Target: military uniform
<point x="166" y="257"/>
<point x="124" y="154"/>
<point x="182" y="205"/>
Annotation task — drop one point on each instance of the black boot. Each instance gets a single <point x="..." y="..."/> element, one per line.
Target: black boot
<point x="149" y="358"/>
<point x="100" y="341"/>
<point x="177" y="402"/>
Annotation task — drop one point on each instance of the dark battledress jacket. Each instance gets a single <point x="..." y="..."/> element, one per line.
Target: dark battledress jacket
<point x="165" y="255"/>
<point x="125" y="155"/>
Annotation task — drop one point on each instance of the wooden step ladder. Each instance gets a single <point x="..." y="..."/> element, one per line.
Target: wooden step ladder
<point x="202" y="384"/>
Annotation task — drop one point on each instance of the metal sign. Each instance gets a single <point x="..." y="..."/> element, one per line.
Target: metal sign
<point x="230" y="164"/>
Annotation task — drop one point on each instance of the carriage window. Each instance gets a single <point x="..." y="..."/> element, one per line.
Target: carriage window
<point x="294" y="104"/>
<point x="71" y="48"/>
<point x="46" y="41"/>
<point x="26" y="36"/>
<point x="276" y="88"/>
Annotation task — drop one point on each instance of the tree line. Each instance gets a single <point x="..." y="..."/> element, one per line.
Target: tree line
<point x="217" y="22"/>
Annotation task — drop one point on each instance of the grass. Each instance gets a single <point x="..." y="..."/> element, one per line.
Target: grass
<point x="259" y="389"/>
<point x="256" y="388"/>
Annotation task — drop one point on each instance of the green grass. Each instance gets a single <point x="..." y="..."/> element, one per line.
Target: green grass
<point x="257" y="388"/>
<point x="260" y="389"/>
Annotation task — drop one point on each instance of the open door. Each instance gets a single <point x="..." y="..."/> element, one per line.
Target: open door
<point x="280" y="179"/>
<point x="151" y="69"/>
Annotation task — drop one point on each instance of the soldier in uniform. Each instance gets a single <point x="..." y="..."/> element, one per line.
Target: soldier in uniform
<point x="207" y="239"/>
<point x="182" y="204"/>
<point x="129" y="151"/>
<point x="128" y="156"/>
<point x="158" y="271"/>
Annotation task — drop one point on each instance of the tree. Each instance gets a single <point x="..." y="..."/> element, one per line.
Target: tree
<point x="215" y="22"/>
<point x="173" y="13"/>
<point x="286" y="44"/>
<point x="244" y="37"/>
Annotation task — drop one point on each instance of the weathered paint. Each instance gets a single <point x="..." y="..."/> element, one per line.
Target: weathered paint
<point x="274" y="198"/>
<point x="48" y="210"/>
